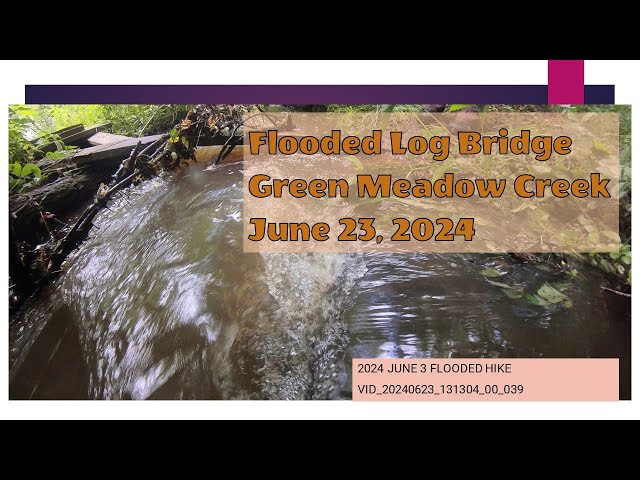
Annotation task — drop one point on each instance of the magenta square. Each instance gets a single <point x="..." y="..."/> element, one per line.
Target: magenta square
<point x="566" y="81"/>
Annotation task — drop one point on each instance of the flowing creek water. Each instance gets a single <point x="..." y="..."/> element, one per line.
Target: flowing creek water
<point x="161" y="303"/>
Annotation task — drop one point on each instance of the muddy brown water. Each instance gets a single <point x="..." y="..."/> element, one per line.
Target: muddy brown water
<point x="161" y="303"/>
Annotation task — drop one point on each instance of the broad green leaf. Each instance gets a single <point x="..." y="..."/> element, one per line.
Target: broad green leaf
<point x="458" y="106"/>
<point x="512" y="293"/>
<point x="536" y="300"/>
<point x="16" y="169"/>
<point x="31" y="169"/>
<point x="490" y="272"/>
<point x="55" y="155"/>
<point x="551" y="294"/>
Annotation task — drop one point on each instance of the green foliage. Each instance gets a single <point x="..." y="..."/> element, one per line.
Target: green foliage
<point x="23" y="151"/>
<point x="130" y="120"/>
<point x="21" y="125"/>
<point x="546" y="295"/>
<point x="617" y="263"/>
<point x="22" y="176"/>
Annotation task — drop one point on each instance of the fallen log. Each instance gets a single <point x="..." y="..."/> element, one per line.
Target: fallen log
<point x="58" y="197"/>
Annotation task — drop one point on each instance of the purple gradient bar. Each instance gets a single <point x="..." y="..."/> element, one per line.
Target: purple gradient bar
<point x="302" y="94"/>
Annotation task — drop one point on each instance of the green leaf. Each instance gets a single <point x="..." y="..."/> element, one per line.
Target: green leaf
<point x="31" y="169"/>
<point x="173" y="133"/>
<point x="185" y="142"/>
<point x="490" y="272"/>
<point x="387" y="108"/>
<point x="551" y="294"/>
<point x="536" y="300"/>
<point x="626" y="259"/>
<point x="16" y="169"/>
<point x="458" y="106"/>
<point x="55" y="155"/>
<point x="25" y="111"/>
<point x="512" y="293"/>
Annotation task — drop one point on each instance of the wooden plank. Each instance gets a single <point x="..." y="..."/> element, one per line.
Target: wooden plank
<point x="75" y="138"/>
<point x="88" y="132"/>
<point x="103" y="138"/>
<point x="113" y="151"/>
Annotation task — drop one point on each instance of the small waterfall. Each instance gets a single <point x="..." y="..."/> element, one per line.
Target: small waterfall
<point x="166" y="301"/>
